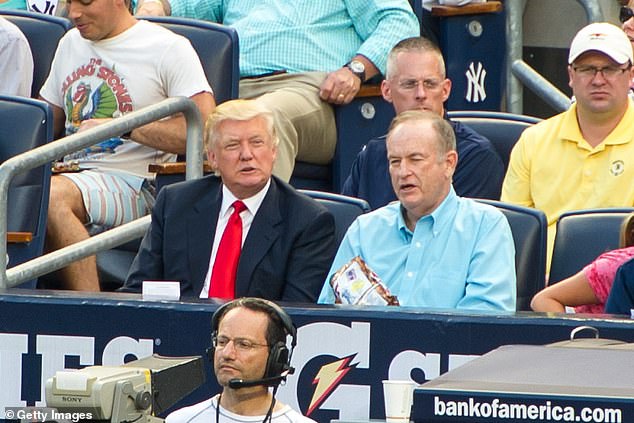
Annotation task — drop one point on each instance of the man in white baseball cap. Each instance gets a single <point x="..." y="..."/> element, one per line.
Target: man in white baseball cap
<point x="584" y="157"/>
<point x="602" y="37"/>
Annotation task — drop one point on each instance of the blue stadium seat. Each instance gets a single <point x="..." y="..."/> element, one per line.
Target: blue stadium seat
<point x="529" y="228"/>
<point x="366" y="117"/>
<point x="582" y="235"/>
<point x="369" y="116"/>
<point x="502" y="129"/>
<point x="26" y="124"/>
<point x="43" y="32"/>
<point x="217" y="47"/>
<point x="345" y="209"/>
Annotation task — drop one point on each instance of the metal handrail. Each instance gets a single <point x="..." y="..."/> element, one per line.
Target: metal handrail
<point x="52" y="151"/>
<point x="534" y="81"/>
<point x="514" y="46"/>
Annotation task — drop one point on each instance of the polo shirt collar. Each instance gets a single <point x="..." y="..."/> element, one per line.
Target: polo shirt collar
<point x="622" y="134"/>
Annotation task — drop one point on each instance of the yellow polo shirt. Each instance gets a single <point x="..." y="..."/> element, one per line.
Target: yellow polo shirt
<point x="554" y="169"/>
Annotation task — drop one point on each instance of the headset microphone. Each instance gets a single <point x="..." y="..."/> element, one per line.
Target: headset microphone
<point x="265" y="381"/>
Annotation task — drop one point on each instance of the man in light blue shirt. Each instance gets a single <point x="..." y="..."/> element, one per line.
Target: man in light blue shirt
<point x="432" y="248"/>
<point x="301" y="57"/>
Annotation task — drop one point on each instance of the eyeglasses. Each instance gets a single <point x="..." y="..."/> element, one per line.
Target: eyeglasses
<point x="608" y="72"/>
<point x="240" y="344"/>
<point x="625" y="14"/>
<point x="411" y="84"/>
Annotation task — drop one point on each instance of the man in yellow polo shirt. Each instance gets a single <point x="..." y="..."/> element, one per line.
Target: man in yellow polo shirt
<point x="584" y="157"/>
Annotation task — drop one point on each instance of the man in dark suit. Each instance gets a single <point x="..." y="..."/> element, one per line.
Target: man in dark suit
<point x="288" y="240"/>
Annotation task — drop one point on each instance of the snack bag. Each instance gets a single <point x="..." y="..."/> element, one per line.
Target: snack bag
<point x="355" y="283"/>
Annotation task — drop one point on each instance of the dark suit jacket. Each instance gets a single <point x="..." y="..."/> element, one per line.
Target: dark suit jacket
<point x="286" y="254"/>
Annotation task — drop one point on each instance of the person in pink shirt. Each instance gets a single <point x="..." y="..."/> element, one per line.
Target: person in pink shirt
<point x="588" y="290"/>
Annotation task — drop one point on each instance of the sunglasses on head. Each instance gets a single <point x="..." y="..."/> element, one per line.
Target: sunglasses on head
<point x="625" y="14"/>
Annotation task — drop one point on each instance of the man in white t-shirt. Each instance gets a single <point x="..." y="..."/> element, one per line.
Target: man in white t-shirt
<point x="108" y="65"/>
<point x="249" y="356"/>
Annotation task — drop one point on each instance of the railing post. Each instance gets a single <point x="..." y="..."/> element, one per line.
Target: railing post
<point x="52" y="151"/>
<point x="515" y="45"/>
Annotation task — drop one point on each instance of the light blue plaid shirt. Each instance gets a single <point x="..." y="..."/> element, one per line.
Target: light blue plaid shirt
<point x="307" y="35"/>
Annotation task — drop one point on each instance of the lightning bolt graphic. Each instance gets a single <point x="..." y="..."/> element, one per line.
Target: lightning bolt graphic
<point x="327" y="379"/>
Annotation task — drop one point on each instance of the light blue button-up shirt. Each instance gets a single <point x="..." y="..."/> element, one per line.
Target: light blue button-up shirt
<point x="461" y="256"/>
<point x="307" y="35"/>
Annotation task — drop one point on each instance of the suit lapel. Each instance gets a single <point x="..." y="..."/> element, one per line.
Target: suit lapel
<point x="201" y="230"/>
<point x="263" y="233"/>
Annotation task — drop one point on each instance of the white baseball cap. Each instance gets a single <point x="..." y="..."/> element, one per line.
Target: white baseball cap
<point x="605" y="38"/>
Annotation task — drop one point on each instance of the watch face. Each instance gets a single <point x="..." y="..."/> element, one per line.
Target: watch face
<point x="357" y="67"/>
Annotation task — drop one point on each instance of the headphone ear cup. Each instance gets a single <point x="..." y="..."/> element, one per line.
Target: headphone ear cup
<point x="277" y="362"/>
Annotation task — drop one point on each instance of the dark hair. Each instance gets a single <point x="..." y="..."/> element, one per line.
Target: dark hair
<point x="276" y="330"/>
<point x="627" y="231"/>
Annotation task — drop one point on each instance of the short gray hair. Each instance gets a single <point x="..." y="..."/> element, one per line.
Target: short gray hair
<point x="413" y="45"/>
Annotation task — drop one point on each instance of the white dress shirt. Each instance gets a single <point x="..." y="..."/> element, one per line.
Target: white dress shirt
<point x="226" y="209"/>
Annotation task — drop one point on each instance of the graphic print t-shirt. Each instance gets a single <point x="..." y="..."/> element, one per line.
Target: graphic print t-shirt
<point x="109" y="78"/>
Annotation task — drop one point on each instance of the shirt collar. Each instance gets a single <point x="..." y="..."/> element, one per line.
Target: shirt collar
<point x="622" y="134"/>
<point x="253" y="203"/>
<point x="439" y="217"/>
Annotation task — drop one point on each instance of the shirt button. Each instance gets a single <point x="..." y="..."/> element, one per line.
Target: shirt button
<point x="418" y="245"/>
<point x="410" y="274"/>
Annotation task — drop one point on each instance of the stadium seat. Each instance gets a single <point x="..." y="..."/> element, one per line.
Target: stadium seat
<point x="25" y="124"/>
<point x="217" y="47"/>
<point x="582" y="235"/>
<point x="366" y="117"/>
<point x="43" y="33"/>
<point x="529" y="228"/>
<point x="369" y="116"/>
<point x="345" y="209"/>
<point x="502" y="129"/>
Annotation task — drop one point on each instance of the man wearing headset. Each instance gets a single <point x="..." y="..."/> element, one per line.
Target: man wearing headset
<point x="249" y="355"/>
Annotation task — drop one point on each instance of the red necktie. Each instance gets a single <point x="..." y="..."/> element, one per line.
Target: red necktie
<point x="223" y="274"/>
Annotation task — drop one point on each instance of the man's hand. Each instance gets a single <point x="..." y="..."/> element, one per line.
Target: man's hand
<point x="151" y="8"/>
<point x="340" y="87"/>
<point x="91" y="123"/>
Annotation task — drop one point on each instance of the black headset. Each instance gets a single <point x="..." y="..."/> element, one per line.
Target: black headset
<point x="278" y="363"/>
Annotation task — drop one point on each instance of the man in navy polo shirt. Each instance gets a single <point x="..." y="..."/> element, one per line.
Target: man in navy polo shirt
<point x="416" y="80"/>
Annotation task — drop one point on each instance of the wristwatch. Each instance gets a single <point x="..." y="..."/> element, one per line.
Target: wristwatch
<point x="357" y="68"/>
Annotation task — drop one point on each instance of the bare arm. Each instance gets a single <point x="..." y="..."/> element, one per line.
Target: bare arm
<point x="572" y="291"/>
<point x="170" y="134"/>
<point x="167" y="135"/>
<point x="153" y="8"/>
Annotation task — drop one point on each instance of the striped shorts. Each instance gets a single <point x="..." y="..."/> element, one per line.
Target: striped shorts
<point x="109" y="199"/>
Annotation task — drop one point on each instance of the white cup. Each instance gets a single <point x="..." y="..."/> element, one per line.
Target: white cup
<point x="399" y="395"/>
